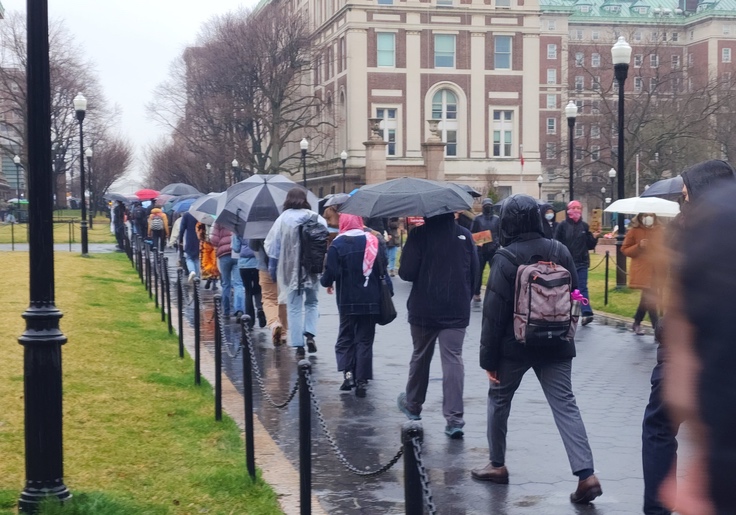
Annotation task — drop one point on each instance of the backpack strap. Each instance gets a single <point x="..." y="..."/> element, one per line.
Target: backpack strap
<point x="508" y="255"/>
<point x="556" y="252"/>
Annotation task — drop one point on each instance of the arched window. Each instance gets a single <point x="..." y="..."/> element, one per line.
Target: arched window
<point x="444" y="108"/>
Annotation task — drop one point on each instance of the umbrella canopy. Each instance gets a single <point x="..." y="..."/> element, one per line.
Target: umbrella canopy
<point x="204" y="208"/>
<point x="470" y="190"/>
<point x="162" y="199"/>
<point x="116" y="196"/>
<point x="250" y="207"/>
<point x="407" y="196"/>
<point x="169" y="206"/>
<point x="146" y="194"/>
<point x="337" y="199"/>
<point x="181" y="205"/>
<point x="636" y="205"/>
<point x="179" y="188"/>
<point x="666" y="188"/>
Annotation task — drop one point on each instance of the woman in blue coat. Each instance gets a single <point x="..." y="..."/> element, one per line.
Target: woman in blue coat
<point x="355" y="262"/>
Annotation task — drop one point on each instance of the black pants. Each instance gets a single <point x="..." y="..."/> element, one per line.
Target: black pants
<point x="252" y="288"/>
<point x="159" y="239"/>
<point x="354" y="346"/>
<point x="119" y="234"/>
<point x="647" y="304"/>
<point x="483" y="258"/>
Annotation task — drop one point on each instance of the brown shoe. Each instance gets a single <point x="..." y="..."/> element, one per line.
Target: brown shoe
<point x="588" y="489"/>
<point x="276" y="333"/>
<point x="493" y="474"/>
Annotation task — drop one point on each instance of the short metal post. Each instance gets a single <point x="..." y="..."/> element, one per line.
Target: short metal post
<point x="12" y="236"/>
<point x="413" y="496"/>
<point x="250" y="454"/>
<point x="605" y="287"/>
<point x="139" y="250"/>
<point x="305" y="440"/>
<point x="163" y="274"/>
<point x="167" y="282"/>
<point x="197" y="343"/>
<point x="69" y="225"/>
<point x="180" y="308"/>
<point x="155" y="276"/>
<point x="218" y="358"/>
<point x="149" y="286"/>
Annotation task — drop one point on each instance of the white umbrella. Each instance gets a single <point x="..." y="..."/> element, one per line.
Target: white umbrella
<point x="636" y="205"/>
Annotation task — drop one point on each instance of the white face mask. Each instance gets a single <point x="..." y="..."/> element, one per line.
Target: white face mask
<point x="549" y="216"/>
<point x="648" y="221"/>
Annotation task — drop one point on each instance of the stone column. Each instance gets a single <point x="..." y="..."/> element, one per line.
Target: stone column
<point x="433" y="151"/>
<point x="375" y="154"/>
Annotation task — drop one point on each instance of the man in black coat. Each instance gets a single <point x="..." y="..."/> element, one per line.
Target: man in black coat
<point x="486" y="221"/>
<point x="439" y="258"/>
<point x="505" y="360"/>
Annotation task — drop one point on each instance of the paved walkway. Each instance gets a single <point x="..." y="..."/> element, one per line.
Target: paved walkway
<point x="94" y="248"/>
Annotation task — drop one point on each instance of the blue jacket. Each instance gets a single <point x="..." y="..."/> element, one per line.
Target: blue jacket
<point x="188" y="234"/>
<point x="439" y="257"/>
<point x="246" y="256"/>
<point x="344" y="266"/>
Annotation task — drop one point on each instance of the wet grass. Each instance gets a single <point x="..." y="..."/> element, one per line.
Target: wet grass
<point x="100" y="233"/>
<point x="139" y="437"/>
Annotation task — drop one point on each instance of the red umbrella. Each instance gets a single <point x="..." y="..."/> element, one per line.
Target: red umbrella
<point x="146" y="194"/>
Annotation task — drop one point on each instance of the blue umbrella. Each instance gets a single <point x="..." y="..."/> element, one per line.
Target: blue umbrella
<point x="182" y="205"/>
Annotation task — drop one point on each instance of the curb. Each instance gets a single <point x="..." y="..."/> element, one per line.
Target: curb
<point x="621" y="322"/>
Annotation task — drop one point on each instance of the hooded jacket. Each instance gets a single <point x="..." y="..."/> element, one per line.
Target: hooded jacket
<point x="487" y="221"/>
<point x="222" y="240"/>
<point x="548" y="227"/>
<point x="440" y="259"/>
<point x="576" y="236"/>
<point x="522" y="235"/>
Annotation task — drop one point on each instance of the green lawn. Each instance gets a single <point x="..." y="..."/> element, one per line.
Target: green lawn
<point x="100" y="232"/>
<point x="139" y="437"/>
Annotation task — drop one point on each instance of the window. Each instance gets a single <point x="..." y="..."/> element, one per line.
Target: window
<point x="579" y="82"/>
<point x="578" y="153"/>
<point x="595" y="107"/>
<point x="551" y="151"/>
<point x="637" y="35"/>
<point x="551" y="25"/>
<point x="318" y="70"/>
<point x="652" y="84"/>
<point x="444" y="51"/>
<point x="638" y="58"/>
<point x="584" y="8"/>
<point x="343" y="54"/>
<point x="690" y="60"/>
<point x="725" y="55"/>
<point x="596" y="84"/>
<point x="332" y="189"/>
<point x="578" y="35"/>
<point x="551" y="76"/>
<point x="503" y="3"/>
<point x="551" y="126"/>
<point x="595" y="153"/>
<point x="388" y="128"/>
<point x="552" y="51"/>
<point x="676" y="84"/>
<point x="638" y="84"/>
<point x="726" y="30"/>
<point x="595" y="35"/>
<point x="675" y="62"/>
<point x="551" y="101"/>
<point x="595" y="131"/>
<point x="444" y="108"/>
<point x="654" y="61"/>
<point x="386" y="49"/>
<point x="385" y="2"/>
<point x="445" y="3"/>
<point x="675" y="36"/>
<point x="502" y="53"/>
<point x="579" y="59"/>
<point x="595" y="60"/>
<point x="579" y="130"/>
<point x="502" y="133"/>
<point x="579" y="105"/>
<point x="691" y="35"/>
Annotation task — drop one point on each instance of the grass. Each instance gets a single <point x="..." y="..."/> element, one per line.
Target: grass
<point x="139" y="437"/>
<point x="100" y="233"/>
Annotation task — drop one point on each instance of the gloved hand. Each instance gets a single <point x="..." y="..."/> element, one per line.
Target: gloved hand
<point x="273" y="265"/>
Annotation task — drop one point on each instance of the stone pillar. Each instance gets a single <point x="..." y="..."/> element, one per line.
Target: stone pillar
<point x="375" y="154"/>
<point x="433" y="151"/>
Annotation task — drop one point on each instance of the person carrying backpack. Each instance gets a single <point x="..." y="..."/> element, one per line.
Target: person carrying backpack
<point x="296" y="246"/>
<point x="532" y="327"/>
<point x="140" y="220"/>
<point x="158" y="228"/>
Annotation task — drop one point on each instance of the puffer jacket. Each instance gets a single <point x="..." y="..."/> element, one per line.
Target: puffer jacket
<point x="221" y="239"/>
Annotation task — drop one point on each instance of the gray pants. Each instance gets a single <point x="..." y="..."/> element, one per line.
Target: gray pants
<point x="453" y="371"/>
<point x="555" y="378"/>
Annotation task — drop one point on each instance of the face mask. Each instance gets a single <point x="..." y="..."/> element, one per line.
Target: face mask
<point x="648" y="221"/>
<point x="574" y="214"/>
<point x="549" y="216"/>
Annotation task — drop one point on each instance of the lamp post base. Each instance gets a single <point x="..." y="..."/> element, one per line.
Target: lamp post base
<point x="85" y="239"/>
<point x="36" y="492"/>
<point x="620" y="264"/>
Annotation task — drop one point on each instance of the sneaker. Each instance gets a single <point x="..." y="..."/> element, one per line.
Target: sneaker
<point x="347" y="383"/>
<point x="360" y="389"/>
<point x="261" y="318"/>
<point x="392" y="273"/>
<point x="401" y="404"/>
<point x="191" y="277"/>
<point x="277" y="331"/>
<point x="586" y="320"/>
<point x="638" y="330"/>
<point x="476" y="299"/>
<point x="238" y="316"/>
<point x="300" y="354"/>
<point x="454" y="433"/>
<point x="311" y="346"/>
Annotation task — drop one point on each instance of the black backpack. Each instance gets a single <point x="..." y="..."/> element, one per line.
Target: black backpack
<point x="139" y="214"/>
<point x="313" y="237"/>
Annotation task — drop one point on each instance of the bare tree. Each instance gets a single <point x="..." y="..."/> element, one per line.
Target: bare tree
<point x="112" y="158"/>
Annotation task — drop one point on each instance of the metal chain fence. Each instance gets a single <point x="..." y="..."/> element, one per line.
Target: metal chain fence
<point x="426" y="489"/>
<point x="262" y="385"/>
<point x="228" y="345"/>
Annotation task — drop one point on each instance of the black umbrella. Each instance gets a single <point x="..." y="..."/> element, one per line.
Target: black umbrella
<point x="472" y="191"/>
<point x="250" y="207"/>
<point x="337" y="199"/>
<point x="116" y="196"/>
<point x="666" y="188"/>
<point x="407" y="196"/>
<point x="179" y="188"/>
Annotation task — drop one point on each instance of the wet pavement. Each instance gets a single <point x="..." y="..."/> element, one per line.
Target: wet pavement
<point x="611" y="383"/>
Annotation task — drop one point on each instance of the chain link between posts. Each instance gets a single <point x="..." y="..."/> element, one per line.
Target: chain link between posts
<point x="338" y="453"/>
<point x="261" y="384"/>
<point x="423" y="476"/>
<point x="223" y="337"/>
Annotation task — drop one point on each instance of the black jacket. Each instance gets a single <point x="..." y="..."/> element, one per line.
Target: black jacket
<point x="439" y="257"/>
<point x="576" y="236"/>
<point x="548" y="227"/>
<point x="488" y="222"/>
<point x="521" y="234"/>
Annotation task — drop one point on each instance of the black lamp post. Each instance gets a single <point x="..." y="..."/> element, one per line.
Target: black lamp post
<point x="571" y="111"/>
<point x="236" y="170"/>
<point x="88" y="154"/>
<point x="612" y="176"/>
<point x="16" y="160"/>
<point x="344" y="158"/>
<point x="603" y="197"/>
<point x="209" y="177"/>
<point x="540" y="180"/>
<point x="621" y="55"/>
<point x="42" y="338"/>
<point x="304" y="146"/>
<point x="80" y="106"/>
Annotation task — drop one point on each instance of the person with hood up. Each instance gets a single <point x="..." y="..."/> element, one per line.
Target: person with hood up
<point x="439" y="258"/>
<point x="355" y="262"/>
<point x="158" y="228"/>
<point x="119" y="224"/>
<point x="575" y="234"/>
<point x="659" y="430"/>
<point x="548" y="221"/>
<point x="505" y="360"/>
<point x="486" y="221"/>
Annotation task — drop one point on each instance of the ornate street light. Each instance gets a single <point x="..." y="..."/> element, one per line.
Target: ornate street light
<point x="344" y="159"/>
<point x="540" y="180"/>
<point x="92" y="209"/>
<point x="612" y="176"/>
<point x="236" y="170"/>
<point x="16" y="160"/>
<point x="80" y="106"/>
<point x="571" y="111"/>
<point x="304" y="146"/>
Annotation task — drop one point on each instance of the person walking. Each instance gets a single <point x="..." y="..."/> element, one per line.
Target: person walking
<point x="548" y="221"/>
<point x="440" y="260"/>
<point x="275" y="312"/>
<point x="189" y="244"/>
<point x="297" y="288"/>
<point x="207" y="256"/>
<point x="355" y="263"/>
<point x="392" y="244"/>
<point x="248" y="270"/>
<point x="506" y="360"/>
<point x="227" y="263"/>
<point x="575" y="234"/>
<point x="643" y="244"/>
<point x="158" y="228"/>
<point x="140" y="219"/>
<point x="118" y="218"/>
<point x="486" y="221"/>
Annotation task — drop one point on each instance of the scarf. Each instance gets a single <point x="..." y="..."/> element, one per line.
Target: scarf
<point x="352" y="225"/>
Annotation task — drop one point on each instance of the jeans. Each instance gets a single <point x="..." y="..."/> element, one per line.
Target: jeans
<point x="302" y="311"/>
<point x="252" y="289"/>
<point x="587" y="310"/>
<point x="354" y="346"/>
<point x="192" y="263"/>
<point x="231" y="282"/>
<point x="391" y="252"/>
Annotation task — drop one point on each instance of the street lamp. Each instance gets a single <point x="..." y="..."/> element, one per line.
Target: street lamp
<point x="571" y="111"/>
<point x="540" y="180"/>
<point x="16" y="160"/>
<point x="621" y="55"/>
<point x="209" y="176"/>
<point x="92" y="208"/>
<point x="344" y="158"/>
<point x="603" y="194"/>
<point x="80" y="106"/>
<point x="236" y="170"/>
<point x="563" y="191"/>
<point x="612" y="176"/>
<point x="304" y="146"/>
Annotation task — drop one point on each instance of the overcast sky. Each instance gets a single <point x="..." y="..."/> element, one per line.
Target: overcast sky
<point x="133" y="43"/>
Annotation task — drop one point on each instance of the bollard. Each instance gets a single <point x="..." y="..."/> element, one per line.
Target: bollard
<point x="218" y="358"/>
<point x="69" y="225"/>
<point x="250" y="453"/>
<point x="155" y="276"/>
<point x="168" y="293"/>
<point x="605" y="287"/>
<point x="180" y="308"/>
<point x="413" y="496"/>
<point x="305" y="440"/>
<point x="163" y="272"/>
<point x="197" y="376"/>
<point x="139" y="257"/>
<point x="12" y="236"/>
<point x="147" y="260"/>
